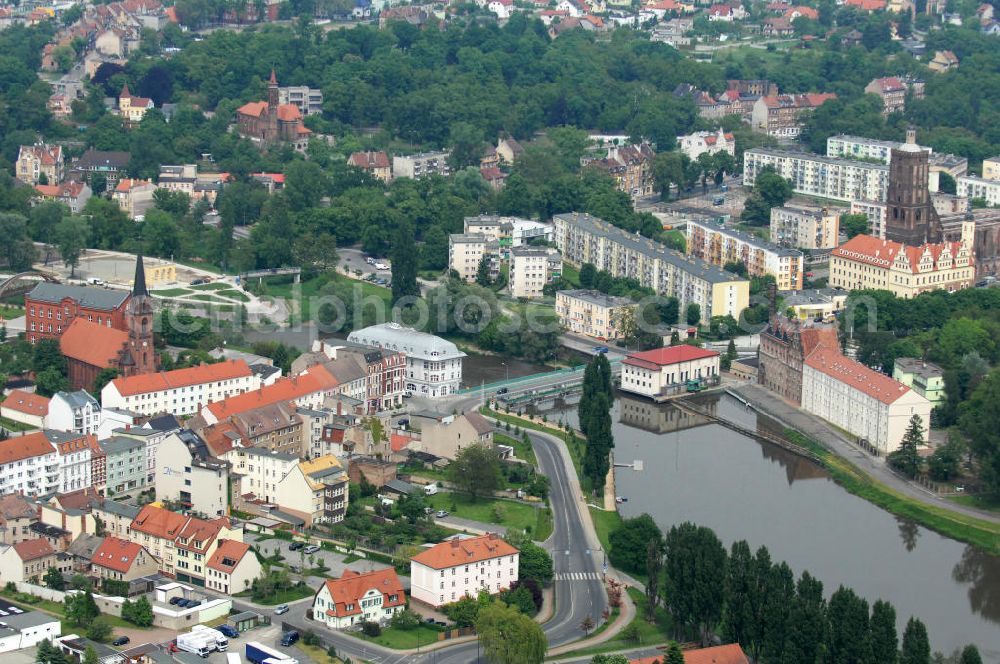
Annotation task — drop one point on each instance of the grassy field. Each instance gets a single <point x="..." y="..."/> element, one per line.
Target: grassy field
<point x="515" y="515"/>
<point x="57" y="609"/>
<point x="234" y="294"/>
<point x="11" y="425"/>
<point x="207" y="297"/>
<point x="399" y="639"/>
<point x="571" y="274"/>
<point x="311" y="288"/>
<point x="543" y="525"/>
<point x="990" y="503"/>
<point x="979" y="532"/>
<point x="604" y="523"/>
<point x="522" y="450"/>
<point x="289" y="595"/>
<point x="215" y="285"/>
<point x="171" y="292"/>
<point x="646" y="633"/>
<point x="8" y="312"/>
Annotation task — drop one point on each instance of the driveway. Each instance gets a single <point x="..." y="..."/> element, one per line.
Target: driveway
<point x="334" y="561"/>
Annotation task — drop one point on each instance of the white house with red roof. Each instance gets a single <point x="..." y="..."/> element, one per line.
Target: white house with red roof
<point x="72" y="194"/>
<point x="455" y="568"/>
<point x="232" y="568"/>
<point x="134" y="197"/>
<point x="658" y="372"/>
<point x="710" y="142"/>
<point x="355" y="598"/>
<point x="26" y="561"/>
<point x="121" y="560"/>
<point x="182" y="391"/>
<point x="25" y="407"/>
<point x="131" y="108"/>
<point x="865" y="402"/>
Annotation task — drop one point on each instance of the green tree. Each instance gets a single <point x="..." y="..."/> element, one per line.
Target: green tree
<point x="509" y="637"/>
<point x="628" y="543"/>
<point x="434" y="252"/>
<point x="99" y="630"/>
<point x="977" y="421"/>
<point x="476" y="471"/>
<point x="405" y="259"/>
<point x="916" y="646"/>
<point x="48" y="355"/>
<point x="600" y="441"/>
<point x="81" y="609"/>
<point x="694" y="592"/>
<point x="847" y="637"/>
<point x="587" y="274"/>
<point x="740" y="615"/>
<point x="534" y="563"/>
<point x="483" y="271"/>
<point x="806" y="629"/>
<point x="54" y="579"/>
<point x="654" y="569"/>
<point x="674" y="654"/>
<point x="970" y="655"/>
<point x="853" y="224"/>
<point x="693" y="313"/>
<point x="16" y="249"/>
<point x="72" y="235"/>
<point x="770" y="190"/>
<point x="50" y="381"/>
<point x="305" y="184"/>
<point x="884" y="642"/>
<point x="906" y="458"/>
<point x="90" y="656"/>
<point x="466" y="143"/>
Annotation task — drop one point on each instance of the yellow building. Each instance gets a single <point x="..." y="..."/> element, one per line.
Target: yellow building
<point x="133" y="109"/>
<point x="591" y="312"/>
<point x="991" y="168"/>
<point x="865" y="262"/>
<point x="720" y="246"/>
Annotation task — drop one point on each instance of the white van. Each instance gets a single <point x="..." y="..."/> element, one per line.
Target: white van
<point x="431" y="489"/>
<point x="95" y="281"/>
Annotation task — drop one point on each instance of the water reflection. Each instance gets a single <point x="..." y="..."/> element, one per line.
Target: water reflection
<point x="909" y="532"/>
<point x="981" y="571"/>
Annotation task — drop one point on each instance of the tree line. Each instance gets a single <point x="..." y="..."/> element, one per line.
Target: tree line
<point x="744" y="597"/>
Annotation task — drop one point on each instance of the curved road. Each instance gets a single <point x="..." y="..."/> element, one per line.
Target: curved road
<point x="577" y="558"/>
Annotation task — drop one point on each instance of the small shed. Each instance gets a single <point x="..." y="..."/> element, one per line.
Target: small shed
<point x="247" y="620"/>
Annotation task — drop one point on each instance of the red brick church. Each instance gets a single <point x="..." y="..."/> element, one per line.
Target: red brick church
<point x="90" y="347"/>
<point x="269" y="121"/>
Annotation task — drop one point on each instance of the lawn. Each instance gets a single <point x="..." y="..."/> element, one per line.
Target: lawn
<point x="571" y="274"/>
<point x="311" y="288"/>
<point x="317" y="654"/>
<point x="11" y="425"/>
<point x="171" y="292"/>
<point x="523" y="451"/>
<point x="991" y="503"/>
<point x="605" y="523"/>
<point x="543" y="526"/>
<point x="207" y="297"/>
<point x="7" y="312"/>
<point x="399" y="639"/>
<point x="234" y="294"/>
<point x="215" y="285"/>
<point x="643" y="634"/>
<point x="287" y="595"/>
<point x="516" y="515"/>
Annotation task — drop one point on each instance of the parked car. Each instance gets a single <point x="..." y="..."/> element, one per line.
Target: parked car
<point x="441" y="514"/>
<point x="311" y="549"/>
<point x="600" y="349"/>
<point x="120" y="641"/>
<point x="176" y="600"/>
<point x="503" y="390"/>
<point x="228" y="631"/>
<point x="288" y="638"/>
<point x="295" y="546"/>
<point x="199" y="282"/>
<point x="281" y="609"/>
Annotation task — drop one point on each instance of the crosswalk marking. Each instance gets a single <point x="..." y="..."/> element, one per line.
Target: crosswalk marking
<point x="578" y="576"/>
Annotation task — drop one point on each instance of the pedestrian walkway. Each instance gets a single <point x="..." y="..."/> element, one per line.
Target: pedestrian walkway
<point x="578" y="576"/>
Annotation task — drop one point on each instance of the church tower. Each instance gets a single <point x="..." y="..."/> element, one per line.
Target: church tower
<point x="141" y="356"/>
<point x="910" y="215"/>
<point x="271" y="132"/>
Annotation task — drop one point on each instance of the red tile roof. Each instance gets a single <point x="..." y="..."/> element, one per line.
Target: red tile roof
<point x="727" y="654"/>
<point x="660" y="357"/>
<point x="25" y="447"/>
<point x="83" y="441"/>
<point x="91" y="343"/>
<point x="889" y="84"/>
<point x="34" y="549"/>
<point x="369" y="160"/>
<point x="158" y="522"/>
<point x="133" y="100"/>
<point x="254" y="108"/>
<point x="808" y="100"/>
<point x="228" y="555"/>
<point x="166" y="380"/>
<point x="398" y="442"/>
<point x="351" y="587"/>
<point x="867" y="5"/>
<point x="289" y="113"/>
<point x="116" y="554"/>
<point x="856" y="375"/>
<point x="199" y="530"/>
<point x="26" y="402"/>
<point x="801" y="10"/>
<point x="47" y="155"/>
<point x="882" y="253"/>
<point x="315" y="379"/>
<point x="462" y="552"/>
<point x="126" y="184"/>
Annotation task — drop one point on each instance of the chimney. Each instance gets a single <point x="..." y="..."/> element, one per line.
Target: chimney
<point x="454" y="544"/>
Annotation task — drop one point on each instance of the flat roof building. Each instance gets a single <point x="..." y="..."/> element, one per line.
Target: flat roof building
<point x="433" y="364"/>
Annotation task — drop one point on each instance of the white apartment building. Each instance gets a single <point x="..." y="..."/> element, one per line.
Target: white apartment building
<point x="455" y="568"/>
<point x="420" y="165"/>
<point x="509" y="231"/>
<point x="876" y="213"/>
<point x="813" y="175"/>
<point x="466" y="252"/>
<point x="182" y="391"/>
<point x="720" y="245"/>
<point x="77" y="412"/>
<point x="585" y="239"/>
<point x="74" y="451"/>
<point x="530" y="269"/>
<point x="433" y="365"/>
<point x="707" y="142"/>
<point x="859" y="147"/>
<point x="592" y="312"/>
<point x="29" y="465"/>
<point x="658" y="372"/>
<point x="186" y="472"/>
<point x="973" y="187"/>
<point x="354" y="598"/>
<point x="309" y="100"/>
<point x="804" y="228"/>
<point x="867" y="403"/>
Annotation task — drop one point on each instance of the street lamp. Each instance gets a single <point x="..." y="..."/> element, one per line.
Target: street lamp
<point x="506" y="370"/>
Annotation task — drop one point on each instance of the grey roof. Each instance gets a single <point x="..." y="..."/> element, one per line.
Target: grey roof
<point x="56" y="437"/>
<point x="45" y="530"/>
<point x="748" y="361"/>
<point x="245" y="615"/>
<point x="750" y="239"/>
<point x="399" y="486"/>
<point x="528" y="250"/>
<point x="264" y="370"/>
<point x="260" y="451"/>
<point x="104" y="299"/>
<point x="809" y="156"/>
<point x="84" y="545"/>
<point x="470" y="238"/>
<point x="98" y="159"/>
<point x="407" y="340"/>
<point x="77" y="399"/>
<point x="327" y="473"/>
<point x="479" y="423"/>
<point x="596" y="297"/>
<point x="691" y="265"/>
<point x="119" y="444"/>
<point x="163" y="422"/>
<point x="814" y="296"/>
<point x="287" y="518"/>
<point x="919" y="367"/>
<point x="27" y="619"/>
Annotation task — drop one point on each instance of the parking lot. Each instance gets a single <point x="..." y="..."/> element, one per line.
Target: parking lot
<point x="334" y="561"/>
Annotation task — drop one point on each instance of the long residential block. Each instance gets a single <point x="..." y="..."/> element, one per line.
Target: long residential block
<point x="720" y="245"/>
<point x="813" y="175"/>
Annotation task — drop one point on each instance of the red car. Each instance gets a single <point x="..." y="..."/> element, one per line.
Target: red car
<point x="809" y="274"/>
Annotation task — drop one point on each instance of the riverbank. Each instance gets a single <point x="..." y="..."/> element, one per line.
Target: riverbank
<point x="964" y="524"/>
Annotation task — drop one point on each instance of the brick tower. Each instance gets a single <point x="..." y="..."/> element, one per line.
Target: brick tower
<point x="141" y="356"/>
<point x="910" y="215"/>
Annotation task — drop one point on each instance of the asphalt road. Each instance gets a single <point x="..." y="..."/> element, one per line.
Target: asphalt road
<point x="576" y="598"/>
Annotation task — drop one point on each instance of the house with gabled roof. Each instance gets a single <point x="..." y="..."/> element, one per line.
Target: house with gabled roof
<point x="26" y="561"/>
<point x="355" y="598"/>
<point x="17" y="513"/>
<point x="232" y="568"/>
<point x="121" y="560"/>
<point x="449" y="571"/>
<point x="182" y="544"/>
<point x="25" y="407"/>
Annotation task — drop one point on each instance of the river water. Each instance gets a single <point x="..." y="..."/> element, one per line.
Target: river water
<point x="743" y="488"/>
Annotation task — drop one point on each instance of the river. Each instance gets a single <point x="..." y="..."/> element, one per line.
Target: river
<point x="743" y="488"/>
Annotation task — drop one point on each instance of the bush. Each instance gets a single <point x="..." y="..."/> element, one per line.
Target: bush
<point x="99" y="630"/>
<point x="372" y="629"/>
<point x="406" y="620"/>
<point x="310" y="639"/>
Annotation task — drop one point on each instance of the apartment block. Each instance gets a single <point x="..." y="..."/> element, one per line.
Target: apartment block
<point x="467" y="250"/>
<point x="583" y="238"/>
<point x="781" y="115"/>
<point x="973" y="187"/>
<point x="720" y="245"/>
<point x="859" y="147"/>
<point x="876" y="213"/>
<point x="182" y="391"/>
<point x="804" y="228"/>
<point x="134" y="197"/>
<point x="893" y="91"/>
<point x="592" y="312"/>
<point x="420" y="165"/>
<point x="309" y="100"/>
<point x="813" y="175"/>
<point x="34" y="161"/>
<point x="530" y="269"/>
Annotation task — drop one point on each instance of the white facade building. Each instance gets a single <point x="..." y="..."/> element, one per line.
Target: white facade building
<point x="530" y="269"/>
<point x="433" y="365"/>
<point x="181" y="392"/>
<point x="814" y="175"/>
<point x="420" y="165"/>
<point x="973" y="187"/>
<point x="74" y="411"/>
<point x="707" y="142"/>
<point x="805" y="228"/>
<point x="658" y="372"/>
<point x="876" y="213"/>
<point x="466" y="252"/>
<point x="858" y="147"/>
<point x="455" y="568"/>
<point x="74" y="451"/>
<point x="186" y="472"/>
<point x="868" y="404"/>
<point x="355" y="598"/>
<point x="29" y="465"/>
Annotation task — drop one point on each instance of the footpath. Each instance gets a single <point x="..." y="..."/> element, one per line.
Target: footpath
<point x="776" y="408"/>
